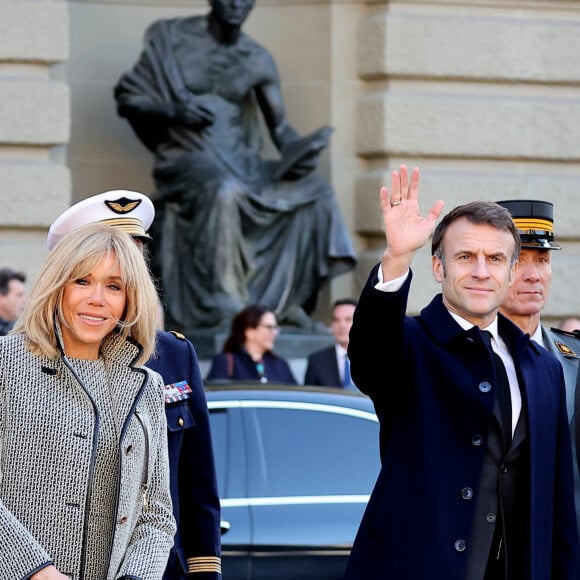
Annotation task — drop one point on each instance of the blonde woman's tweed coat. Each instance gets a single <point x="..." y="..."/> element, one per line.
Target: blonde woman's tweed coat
<point x="48" y="430"/>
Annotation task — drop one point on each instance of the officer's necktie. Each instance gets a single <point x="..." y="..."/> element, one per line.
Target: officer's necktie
<point x="346" y="380"/>
<point x="503" y="388"/>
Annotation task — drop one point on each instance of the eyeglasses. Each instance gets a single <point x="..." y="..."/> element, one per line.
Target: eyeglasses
<point x="271" y="327"/>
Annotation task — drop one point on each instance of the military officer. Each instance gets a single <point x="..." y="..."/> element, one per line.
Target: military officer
<point x="196" y="553"/>
<point x="528" y="296"/>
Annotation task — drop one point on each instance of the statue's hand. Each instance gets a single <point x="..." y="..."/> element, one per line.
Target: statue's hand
<point x="193" y="115"/>
<point x="300" y="156"/>
<point x="302" y="167"/>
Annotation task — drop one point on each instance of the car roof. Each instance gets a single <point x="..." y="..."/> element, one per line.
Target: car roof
<point x="227" y="391"/>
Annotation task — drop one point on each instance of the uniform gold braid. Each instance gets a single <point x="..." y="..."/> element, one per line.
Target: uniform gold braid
<point x="204" y="564"/>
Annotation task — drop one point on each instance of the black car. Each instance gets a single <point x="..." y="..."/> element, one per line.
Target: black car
<point x="295" y="468"/>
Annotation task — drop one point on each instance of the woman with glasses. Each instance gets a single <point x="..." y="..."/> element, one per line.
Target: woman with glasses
<point x="248" y="352"/>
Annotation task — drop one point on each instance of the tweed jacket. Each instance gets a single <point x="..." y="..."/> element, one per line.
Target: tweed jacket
<point x="429" y="381"/>
<point x="48" y="433"/>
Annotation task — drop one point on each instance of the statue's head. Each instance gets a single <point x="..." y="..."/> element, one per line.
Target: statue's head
<point x="231" y="12"/>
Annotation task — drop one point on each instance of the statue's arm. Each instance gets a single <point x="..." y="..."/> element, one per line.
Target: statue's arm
<point x="191" y="114"/>
<point x="152" y="117"/>
<point x="271" y="102"/>
<point x="145" y="107"/>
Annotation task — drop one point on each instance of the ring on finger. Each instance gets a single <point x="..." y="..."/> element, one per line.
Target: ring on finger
<point x="394" y="203"/>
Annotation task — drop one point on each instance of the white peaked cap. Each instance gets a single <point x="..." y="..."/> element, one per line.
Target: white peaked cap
<point x="130" y="211"/>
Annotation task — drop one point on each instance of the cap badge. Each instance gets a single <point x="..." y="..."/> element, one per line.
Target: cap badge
<point x="565" y="349"/>
<point x="122" y="205"/>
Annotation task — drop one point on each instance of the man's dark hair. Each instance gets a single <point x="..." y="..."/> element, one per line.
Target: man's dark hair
<point x="343" y="302"/>
<point x="481" y="213"/>
<point x="6" y="275"/>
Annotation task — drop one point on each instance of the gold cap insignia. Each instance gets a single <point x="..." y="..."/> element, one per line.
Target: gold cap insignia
<point x="122" y="205"/>
<point x="565" y="349"/>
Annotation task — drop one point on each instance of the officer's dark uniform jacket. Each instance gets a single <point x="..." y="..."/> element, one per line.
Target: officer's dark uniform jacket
<point x="196" y="507"/>
<point x="565" y="346"/>
<point x="435" y="507"/>
<point x="5" y="326"/>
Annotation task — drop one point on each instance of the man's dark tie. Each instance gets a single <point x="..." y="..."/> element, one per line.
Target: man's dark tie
<point x="503" y="389"/>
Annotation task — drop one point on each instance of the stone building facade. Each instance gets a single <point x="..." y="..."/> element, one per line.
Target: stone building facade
<point x="483" y="95"/>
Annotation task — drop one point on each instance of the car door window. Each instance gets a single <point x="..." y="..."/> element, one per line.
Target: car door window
<point x="229" y="447"/>
<point x="219" y="435"/>
<point x="305" y="452"/>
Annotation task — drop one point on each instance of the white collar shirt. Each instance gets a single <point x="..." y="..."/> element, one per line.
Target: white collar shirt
<point x="538" y="336"/>
<point x="497" y="344"/>
<point x="341" y="354"/>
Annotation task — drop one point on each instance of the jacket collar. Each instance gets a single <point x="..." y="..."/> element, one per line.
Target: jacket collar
<point x="444" y="330"/>
<point x="114" y="347"/>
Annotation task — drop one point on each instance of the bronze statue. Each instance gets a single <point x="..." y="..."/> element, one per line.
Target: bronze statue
<point x="231" y="228"/>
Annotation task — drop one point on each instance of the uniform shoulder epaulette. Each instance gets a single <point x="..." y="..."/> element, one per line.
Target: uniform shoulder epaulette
<point x="178" y="334"/>
<point x="569" y="344"/>
<point x="570" y="333"/>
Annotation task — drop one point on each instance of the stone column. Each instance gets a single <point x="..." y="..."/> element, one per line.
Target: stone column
<point x="34" y="128"/>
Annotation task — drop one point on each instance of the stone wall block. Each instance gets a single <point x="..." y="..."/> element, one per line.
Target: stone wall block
<point x="32" y="31"/>
<point x="455" y="186"/>
<point x="501" y="125"/>
<point x="563" y="300"/>
<point x="34" y="111"/>
<point x="33" y="193"/>
<point x="24" y="250"/>
<point x="470" y="45"/>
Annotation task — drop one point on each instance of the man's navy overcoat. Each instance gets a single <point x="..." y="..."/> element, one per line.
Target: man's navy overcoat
<point x="423" y="374"/>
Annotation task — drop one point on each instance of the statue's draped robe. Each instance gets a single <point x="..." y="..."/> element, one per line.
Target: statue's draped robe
<point x="227" y="233"/>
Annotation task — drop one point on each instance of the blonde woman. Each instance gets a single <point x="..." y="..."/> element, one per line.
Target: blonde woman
<point x="83" y="473"/>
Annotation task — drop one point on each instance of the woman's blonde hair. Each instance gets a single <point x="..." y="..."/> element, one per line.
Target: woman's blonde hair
<point x="74" y="257"/>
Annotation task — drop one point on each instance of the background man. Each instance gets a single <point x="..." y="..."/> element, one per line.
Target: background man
<point x="196" y="553"/>
<point x="476" y="459"/>
<point x="329" y="367"/>
<point x="528" y="296"/>
<point x="12" y="298"/>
